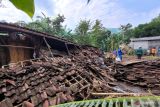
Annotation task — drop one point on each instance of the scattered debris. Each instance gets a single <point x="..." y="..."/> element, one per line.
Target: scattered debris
<point x="143" y="74"/>
<point x="61" y="79"/>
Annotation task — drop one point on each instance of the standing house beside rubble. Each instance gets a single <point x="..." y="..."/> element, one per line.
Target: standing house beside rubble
<point x="19" y="43"/>
<point x="146" y="42"/>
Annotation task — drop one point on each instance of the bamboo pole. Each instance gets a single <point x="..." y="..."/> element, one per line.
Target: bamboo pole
<point x="67" y="49"/>
<point x="132" y="94"/>
<point x="49" y="47"/>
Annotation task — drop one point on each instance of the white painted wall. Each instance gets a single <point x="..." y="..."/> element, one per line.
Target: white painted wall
<point x="137" y="44"/>
<point x="154" y="44"/>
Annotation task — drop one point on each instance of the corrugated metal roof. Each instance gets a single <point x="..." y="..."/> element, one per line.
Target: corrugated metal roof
<point x="146" y="38"/>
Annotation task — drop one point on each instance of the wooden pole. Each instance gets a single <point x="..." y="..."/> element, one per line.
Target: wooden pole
<point x="132" y="94"/>
<point x="49" y="47"/>
<point x="67" y="49"/>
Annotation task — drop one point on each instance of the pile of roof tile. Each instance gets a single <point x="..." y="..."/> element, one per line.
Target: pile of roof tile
<point x="144" y="74"/>
<point x="53" y="81"/>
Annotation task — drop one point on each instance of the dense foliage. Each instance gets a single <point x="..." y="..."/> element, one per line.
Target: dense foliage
<point x="93" y="33"/>
<point x="146" y="30"/>
<point x="86" y="32"/>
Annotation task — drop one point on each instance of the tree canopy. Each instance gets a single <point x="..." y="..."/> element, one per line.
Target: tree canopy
<point x="147" y="29"/>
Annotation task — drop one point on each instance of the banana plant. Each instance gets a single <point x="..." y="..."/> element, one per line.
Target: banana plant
<point x="147" y="101"/>
<point x="25" y="5"/>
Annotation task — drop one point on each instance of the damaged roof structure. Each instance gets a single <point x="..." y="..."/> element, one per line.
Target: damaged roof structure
<point x="63" y="71"/>
<point x="24" y="42"/>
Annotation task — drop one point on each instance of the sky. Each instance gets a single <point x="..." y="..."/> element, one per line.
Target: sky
<point x="112" y="13"/>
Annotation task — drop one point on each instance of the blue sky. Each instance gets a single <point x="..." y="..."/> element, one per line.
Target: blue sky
<point x="140" y="5"/>
<point x="112" y="13"/>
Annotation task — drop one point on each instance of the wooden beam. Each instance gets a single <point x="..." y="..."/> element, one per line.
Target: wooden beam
<point x="133" y="94"/>
<point x="49" y="47"/>
<point x="13" y="46"/>
<point x="67" y="49"/>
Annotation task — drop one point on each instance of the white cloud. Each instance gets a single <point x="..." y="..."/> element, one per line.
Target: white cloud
<point x="110" y="12"/>
<point x="75" y="10"/>
<point x="11" y="14"/>
<point x="142" y="17"/>
<point x="44" y="6"/>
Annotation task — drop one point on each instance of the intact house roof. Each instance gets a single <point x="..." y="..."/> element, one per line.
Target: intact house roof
<point x="146" y="39"/>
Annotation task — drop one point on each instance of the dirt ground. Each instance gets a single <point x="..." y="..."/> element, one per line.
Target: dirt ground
<point x="131" y="59"/>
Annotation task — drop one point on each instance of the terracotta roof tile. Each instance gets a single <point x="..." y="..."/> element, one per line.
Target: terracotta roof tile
<point x="44" y="83"/>
<point x="6" y="103"/>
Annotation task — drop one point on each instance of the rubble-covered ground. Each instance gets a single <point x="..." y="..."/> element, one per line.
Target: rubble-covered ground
<point x="57" y="80"/>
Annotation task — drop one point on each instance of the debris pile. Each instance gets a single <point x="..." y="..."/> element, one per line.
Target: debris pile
<point x="143" y="74"/>
<point x="45" y="82"/>
<point x="53" y="81"/>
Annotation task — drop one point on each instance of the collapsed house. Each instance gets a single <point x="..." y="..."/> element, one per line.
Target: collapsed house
<point x="19" y="45"/>
<point x="54" y="71"/>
